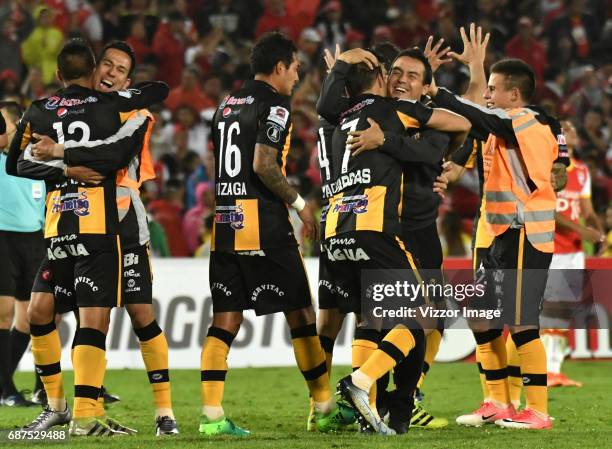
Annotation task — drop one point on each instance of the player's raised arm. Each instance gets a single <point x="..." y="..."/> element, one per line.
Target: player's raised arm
<point x="333" y="101"/>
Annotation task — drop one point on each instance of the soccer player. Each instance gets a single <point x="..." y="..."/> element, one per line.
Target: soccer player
<point x="421" y="150"/>
<point x="21" y="248"/>
<point x="81" y="225"/>
<point x="255" y="262"/>
<point x="113" y="72"/>
<point x="566" y="277"/>
<point x="368" y="187"/>
<point x="519" y="212"/>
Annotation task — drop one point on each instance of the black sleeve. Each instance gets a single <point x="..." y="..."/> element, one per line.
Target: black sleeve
<point x="463" y="154"/>
<point x="19" y="160"/>
<point x="2" y="125"/>
<point x="333" y="101"/>
<point x="429" y="149"/>
<point x="417" y="113"/>
<point x="141" y="96"/>
<point x="110" y="154"/>
<point x="484" y="121"/>
<point x="274" y="123"/>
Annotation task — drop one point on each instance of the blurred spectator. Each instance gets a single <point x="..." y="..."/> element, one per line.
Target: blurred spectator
<point x="167" y="212"/>
<point x="227" y="16"/>
<point x="276" y="18"/>
<point x="594" y="136"/>
<point x="554" y="87"/>
<point x="205" y="235"/>
<point x="571" y="36"/>
<point x="525" y="46"/>
<point x="189" y="92"/>
<point x="455" y="241"/>
<point x="9" y="84"/>
<point x="309" y="50"/>
<point x="192" y="130"/>
<point x="409" y="31"/>
<point x="41" y="48"/>
<point x="158" y="241"/>
<point x="354" y="39"/>
<point x="194" y="218"/>
<point x="382" y="33"/>
<point x="138" y="39"/>
<point x="203" y="51"/>
<point x="169" y="47"/>
<point x="10" y="52"/>
<point x="331" y="27"/>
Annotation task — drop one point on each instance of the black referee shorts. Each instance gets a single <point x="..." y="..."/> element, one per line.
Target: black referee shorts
<point x="20" y="253"/>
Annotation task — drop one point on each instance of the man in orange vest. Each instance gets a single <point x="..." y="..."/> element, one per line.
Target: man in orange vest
<point x="518" y="158"/>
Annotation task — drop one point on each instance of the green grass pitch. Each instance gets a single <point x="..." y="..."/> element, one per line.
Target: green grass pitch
<point x="273" y="404"/>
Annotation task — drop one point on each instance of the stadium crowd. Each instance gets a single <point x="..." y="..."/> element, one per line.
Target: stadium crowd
<point x="201" y="49"/>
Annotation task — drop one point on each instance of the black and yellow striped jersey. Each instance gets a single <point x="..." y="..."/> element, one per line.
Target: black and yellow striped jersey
<point x="324" y="153"/>
<point x="366" y="190"/>
<point x="248" y="216"/>
<point x="82" y="119"/>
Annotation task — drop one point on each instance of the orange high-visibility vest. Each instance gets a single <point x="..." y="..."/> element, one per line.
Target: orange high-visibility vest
<point x="538" y="149"/>
<point x="131" y="178"/>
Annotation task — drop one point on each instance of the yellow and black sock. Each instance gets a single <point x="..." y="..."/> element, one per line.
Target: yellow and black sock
<point x="483" y="378"/>
<point x="327" y="344"/>
<point x="515" y="380"/>
<point x="533" y="369"/>
<point x="311" y="361"/>
<point x="214" y="366"/>
<point x="364" y="344"/>
<point x="47" y="353"/>
<point x="154" y="350"/>
<point x="89" y="366"/>
<point x="492" y="352"/>
<point x="396" y="345"/>
<point x="432" y="346"/>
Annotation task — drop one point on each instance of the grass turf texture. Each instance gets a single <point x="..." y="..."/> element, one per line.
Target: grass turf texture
<point x="273" y="404"/>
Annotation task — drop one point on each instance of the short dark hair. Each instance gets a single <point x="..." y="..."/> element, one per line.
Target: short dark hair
<point x="360" y="78"/>
<point x="416" y="53"/>
<point x="269" y="50"/>
<point x="13" y="108"/>
<point x="76" y="60"/>
<point x="387" y="51"/>
<point x="517" y="74"/>
<point x="125" y="48"/>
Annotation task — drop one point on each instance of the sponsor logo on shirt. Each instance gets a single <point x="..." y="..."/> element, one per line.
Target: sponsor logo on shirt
<point x="232" y="215"/>
<point x="279" y="115"/>
<point x="75" y="202"/>
<point x="55" y="102"/>
<point x="357" y="204"/>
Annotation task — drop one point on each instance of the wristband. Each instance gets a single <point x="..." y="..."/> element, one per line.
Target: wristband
<point x="299" y="204"/>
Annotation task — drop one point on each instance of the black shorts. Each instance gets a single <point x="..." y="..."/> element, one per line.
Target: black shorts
<point x="267" y="281"/>
<point x="329" y="295"/>
<point x="137" y="280"/>
<point x="352" y="252"/>
<point x="91" y="278"/>
<point x="424" y="245"/>
<point x="516" y="275"/>
<point x="20" y="253"/>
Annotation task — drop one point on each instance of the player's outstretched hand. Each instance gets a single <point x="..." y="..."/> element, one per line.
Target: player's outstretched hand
<point x="311" y="225"/>
<point x="45" y="149"/>
<point x="436" y="55"/>
<point x="357" y="55"/>
<point x="474" y="48"/>
<point x="330" y="59"/>
<point x="368" y="139"/>
<point x="84" y="174"/>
